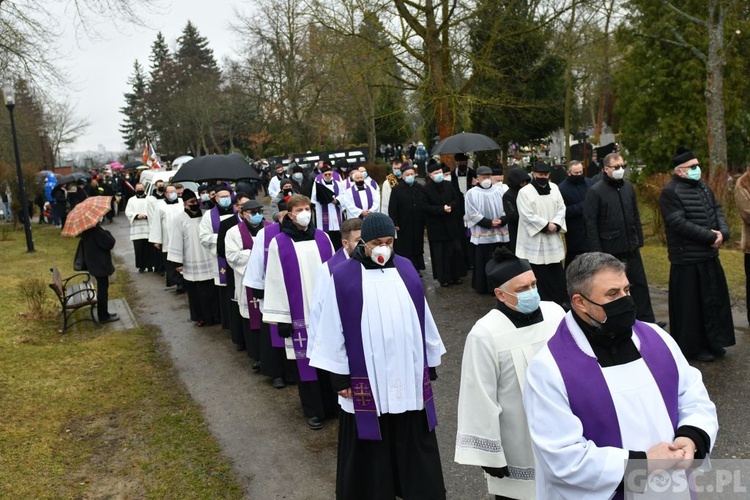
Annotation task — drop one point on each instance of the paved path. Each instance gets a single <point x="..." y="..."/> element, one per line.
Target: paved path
<point x="263" y="432"/>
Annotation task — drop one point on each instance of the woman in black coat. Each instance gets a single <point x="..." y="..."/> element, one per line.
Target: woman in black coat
<point x="97" y="255"/>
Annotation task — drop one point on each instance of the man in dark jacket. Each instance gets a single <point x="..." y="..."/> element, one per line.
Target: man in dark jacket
<point x="517" y="178"/>
<point x="613" y="226"/>
<point x="445" y="229"/>
<point x="700" y="313"/>
<point x="573" y="190"/>
<point x="406" y="208"/>
<point x="97" y="255"/>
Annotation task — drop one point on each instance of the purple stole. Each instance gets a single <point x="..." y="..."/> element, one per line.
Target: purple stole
<point x="324" y="214"/>
<point x="337" y="259"/>
<point x="222" y="262"/>
<point x="358" y="200"/>
<point x="347" y="277"/>
<point x="589" y="396"/>
<point x="252" y="302"/>
<point x="269" y="234"/>
<point x="295" y="294"/>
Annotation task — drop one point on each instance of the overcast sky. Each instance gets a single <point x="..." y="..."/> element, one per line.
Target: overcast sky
<point x="99" y="69"/>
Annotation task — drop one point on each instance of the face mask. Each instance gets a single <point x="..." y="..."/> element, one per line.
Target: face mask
<point x="486" y="183"/>
<point x="303" y="218"/>
<point x="620" y="173"/>
<point x="172" y="196"/>
<point x="381" y="254"/>
<point x="576" y="179"/>
<point x="205" y="197"/>
<point x="256" y="219"/>
<point x="360" y="183"/>
<point x="397" y="173"/>
<point x="297" y="176"/>
<point x="528" y="301"/>
<point x="620" y="316"/>
<point x="225" y="202"/>
<point x="541" y="182"/>
<point x="192" y="209"/>
<point x="409" y="179"/>
<point x="694" y="174"/>
<point x="140" y="194"/>
<point x="365" y="175"/>
<point x="159" y="189"/>
<point x="438" y="178"/>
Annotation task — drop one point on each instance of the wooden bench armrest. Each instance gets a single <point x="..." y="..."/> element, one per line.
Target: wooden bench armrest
<point x="86" y="278"/>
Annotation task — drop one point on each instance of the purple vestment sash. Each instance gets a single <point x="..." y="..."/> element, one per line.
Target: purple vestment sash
<point x="358" y="199"/>
<point x="252" y="302"/>
<point x="337" y="259"/>
<point x="295" y="295"/>
<point x="347" y="277"/>
<point x="590" y="398"/>
<point x="270" y="233"/>
<point x="221" y="261"/>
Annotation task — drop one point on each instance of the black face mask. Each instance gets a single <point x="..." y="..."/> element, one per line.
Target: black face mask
<point x="193" y="210"/>
<point x="360" y="183"/>
<point x="541" y="183"/>
<point x="140" y="194"/>
<point x="160" y="189"/>
<point x="577" y="179"/>
<point x="620" y="316"/>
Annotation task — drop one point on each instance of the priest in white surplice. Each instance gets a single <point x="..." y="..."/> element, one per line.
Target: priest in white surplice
<point x="194" y="261"/>
<point x="541" y="222"/>
<point x="327" y="206"/>
<point x="137" y="213"/>
<point x="485" y="217"/>
<point x="294" y="257"/>
<point x="492" y="428"/>
<point x="608" y="392"/>
<point x="360" y="200"/>
<point x="377" y="337"/>
<point x="161" y="213"/>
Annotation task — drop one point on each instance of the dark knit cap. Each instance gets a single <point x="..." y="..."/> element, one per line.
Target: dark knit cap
<point x="516" y="176"/>
<point x="433" y="167"/>
<point x="497" y="171"/>
<point x="406" y="166"/>
<point x="377" y="225"/>
<point x="460" y="157"/>
<point x="325" y="168"/>
<point x="203" y="187"/>
<point x="484" y="171"/>
<point x="682" y="155"/>
<point x="505" y="266"/>
<point x="188" y="194"/>
<point x="541" y="167"/>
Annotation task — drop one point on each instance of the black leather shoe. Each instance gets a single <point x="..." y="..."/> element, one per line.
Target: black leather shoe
<point x="256" y="366"/>
<point x="314" y="423"/>
<point x="661" y="324"/>
<point x="179" y="290"/>
<point x="444" y="285"/>
<point x="704" y="356"/>
<point x="718" y="352"/>
<point x="278" y="383"/>
<point x="111" y="319"/>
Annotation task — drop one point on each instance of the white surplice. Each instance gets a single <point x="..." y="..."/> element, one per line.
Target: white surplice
<point x="139" y="228"/>
<point x="480" y="203"/>
<point x="209" y="239"/>
<point x="184" y="246"/>
<point x="492" y="428"/>
<point x="322" y="281"/>
<point x="568" y="465"/>
<point x="391" y="340"/>
<point x="534" y="213"/>
<point x="274" y="185"/>
<point x="237" y="258"/>
<point x="161" y="215"/>
<point x="352" y="210"/>
<point x="255" y="272"/>
<point x="334" y="222"/>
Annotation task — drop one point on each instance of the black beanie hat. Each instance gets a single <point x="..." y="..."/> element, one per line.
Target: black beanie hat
<point x="377" y="225"/>
<point x="505" y="266"/>
<point x="188" y="194"/>
<point x="432" y="167"/>
<point x="682" y="155"/>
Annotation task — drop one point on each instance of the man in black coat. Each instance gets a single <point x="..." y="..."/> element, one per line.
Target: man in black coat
<point x="573" y="190"/>
<point x="464" y="178"/>
<point x="406" y="208"/>
<point x="97" y="255"/>
<point x="613" y="226"/>
<point x="700" y="312"/>
<point x="445" y="229"/>
<point x="517" y="178"/>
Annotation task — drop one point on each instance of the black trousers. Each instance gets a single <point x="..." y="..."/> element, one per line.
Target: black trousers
<point x="252" y="340"/>
<point x="102" y="296"/>
<point x="143" y="254"/>
<point x="225" y="298"/>
<point x="171" y="275"/>
<point x="235" y="322"/>
<point x="318" y="398"/>
<point x="273" y="362"/>
<point x="636" y="274"/>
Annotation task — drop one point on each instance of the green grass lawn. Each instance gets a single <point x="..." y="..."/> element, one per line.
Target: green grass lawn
<point x="93" y="413"/>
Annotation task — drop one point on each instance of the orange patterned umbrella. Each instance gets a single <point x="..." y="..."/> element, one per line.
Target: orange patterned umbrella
<point x="86" y="215"/>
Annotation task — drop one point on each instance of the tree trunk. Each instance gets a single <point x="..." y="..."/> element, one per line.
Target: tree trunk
<point x="569" y="81"/>
<point x="438" y="59"/>
<point x="717" y="132"/>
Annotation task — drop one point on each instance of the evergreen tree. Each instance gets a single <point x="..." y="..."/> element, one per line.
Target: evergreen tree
<point x="135" y="126"/>
<point x="160" y="93"/>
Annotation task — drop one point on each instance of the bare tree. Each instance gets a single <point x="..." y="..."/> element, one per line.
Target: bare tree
<point x="63" y="127"/>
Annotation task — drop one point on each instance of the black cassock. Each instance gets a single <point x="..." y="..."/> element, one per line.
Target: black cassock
<point x="406" y="208"/>
<point x="445" y="231"/>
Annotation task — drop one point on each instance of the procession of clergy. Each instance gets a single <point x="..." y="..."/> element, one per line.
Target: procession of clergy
<point x="336" y="305"/>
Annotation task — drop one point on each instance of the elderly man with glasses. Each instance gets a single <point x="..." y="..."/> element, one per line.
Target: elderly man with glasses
<point x="613" y="225"/>
<point x="700" y="314"/>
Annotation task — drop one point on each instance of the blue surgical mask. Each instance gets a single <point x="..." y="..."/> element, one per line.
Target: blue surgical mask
<point x="205" y="197"/>
<point x="694" y="173"/>
<point x="256" y="219"/>
<point x="225" y="202"/>
<point x="397" y="173"/>
<point x="364" y="175"/>
<point x="438" y="178"/>
<point x="409" y="179"/>
<point x="172" y="196"/>
<point x="297" y="176"/>
<point x="528" y="301"/>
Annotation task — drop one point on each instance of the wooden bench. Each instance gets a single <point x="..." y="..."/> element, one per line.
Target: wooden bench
<point x="74" y="292"/>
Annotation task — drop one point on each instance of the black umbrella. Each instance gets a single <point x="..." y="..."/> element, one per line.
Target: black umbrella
<point x="465" y="142"/>
<point x="133" y="164"/>
<point x="67" y="179"/>
<point x="225" y="167"/>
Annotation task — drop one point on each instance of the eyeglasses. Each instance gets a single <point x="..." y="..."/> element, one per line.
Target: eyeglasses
<point x="616" y="167"/>
<point x="253" y="211"/>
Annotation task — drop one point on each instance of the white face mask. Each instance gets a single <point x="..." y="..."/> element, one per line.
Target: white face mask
<point x="618" y="174"/>
<point x="381" y="254"/>
<point x="486" y="183"/>
<point x="303" y="218"/>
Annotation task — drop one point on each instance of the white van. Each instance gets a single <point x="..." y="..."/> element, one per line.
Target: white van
<point x="150" y="177"/>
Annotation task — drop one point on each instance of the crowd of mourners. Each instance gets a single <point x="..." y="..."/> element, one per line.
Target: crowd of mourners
<point x="569" y="385"/>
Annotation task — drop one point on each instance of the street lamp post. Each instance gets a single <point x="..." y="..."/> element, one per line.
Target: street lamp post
<point x="10" y="103"/>
<point x="44" y="155"/>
